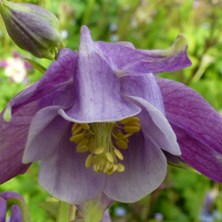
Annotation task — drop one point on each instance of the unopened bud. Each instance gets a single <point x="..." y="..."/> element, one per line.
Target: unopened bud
<point x="32" y="28"/>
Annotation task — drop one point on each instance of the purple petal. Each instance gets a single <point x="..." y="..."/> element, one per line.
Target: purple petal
<point x="46" y="130"/>
<point x="57" y="77"/>
<point x="186" y="109"/>
<point x="13" y="136"/>
<point x="126" y="60"/>
<point x="97" y="88"/>
<point x="157" y="128"/>
<point x="144" y="87"/>
<point x="199" y="155"/>
<point x="16" y="215"/>
<point x="66" y="51"/>
<point x="154" y="122"/>
<point x="64" y="175"/>
<point x="3" y="209"/>
<point x="145" y="170"/>
<point x="10" y="195"/>
<point x="197" y="125"/>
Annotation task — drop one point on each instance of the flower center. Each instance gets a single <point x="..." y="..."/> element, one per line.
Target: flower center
<point x="103" y="142"/>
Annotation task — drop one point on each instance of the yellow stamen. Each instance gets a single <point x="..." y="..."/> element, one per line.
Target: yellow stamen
<point x="110" y="157"/>
<point x="99" y="150"/>
<point x="103" y="142"/>
<point x="77" y="130"/>
<point x="117" y="134"/>
<point x="81" y="149"/>
<point x="132" y="129"/>
<point x="85" y="126"/>
<point x="118" y="154"/>
<point x="96" y="168"/>
<point x="84" y="141"/>
<point x="128" y="135"/>
<point x="77" y="138"/>
<point x="121" y="144"/>
<point x="130" y="119"/>
<point x="115" y="168"/>
<point x="75" y="126"/>
<point x="89" y="161"/>
<point x="121" y="168"/>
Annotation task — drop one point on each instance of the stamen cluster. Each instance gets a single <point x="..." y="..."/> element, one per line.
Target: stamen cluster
<point x="103" y="141"/>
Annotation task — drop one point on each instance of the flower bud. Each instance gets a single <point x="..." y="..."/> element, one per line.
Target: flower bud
<point x="32" y="28"/>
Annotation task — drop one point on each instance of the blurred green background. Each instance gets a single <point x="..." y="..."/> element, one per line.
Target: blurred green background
<point x="185" y="195"/>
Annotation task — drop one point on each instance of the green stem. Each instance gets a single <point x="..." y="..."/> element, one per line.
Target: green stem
<point x="63" y="212"/>
<point x="92" y="212"/>
<point x="72" y="213"/>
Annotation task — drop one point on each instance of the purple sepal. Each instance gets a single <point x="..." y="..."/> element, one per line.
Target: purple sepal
<point x="197" y="125"/>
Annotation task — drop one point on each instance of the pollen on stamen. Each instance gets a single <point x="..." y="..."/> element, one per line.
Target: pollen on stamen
<point x="123" y="144"/>
<point x="99" y="150"/>
<point x="103" y="142"/>
<point x="110" y="157"/>
<point x="88" y="162"/>
<point x="118" y="154"/>
<point x="77" y="138"/>
<point x="82" y="149"/>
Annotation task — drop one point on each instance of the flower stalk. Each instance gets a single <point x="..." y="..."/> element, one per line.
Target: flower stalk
<point x="65" y="212"/>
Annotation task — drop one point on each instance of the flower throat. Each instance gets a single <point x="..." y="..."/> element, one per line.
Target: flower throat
<point x="103" y="142"/>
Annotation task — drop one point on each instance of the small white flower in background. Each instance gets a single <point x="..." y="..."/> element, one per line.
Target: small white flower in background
<point x="16" y="68"/>
<point x="64" y="34"/>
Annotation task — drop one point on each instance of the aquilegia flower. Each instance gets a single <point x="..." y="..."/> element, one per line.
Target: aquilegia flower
<point x="101" y="123"/>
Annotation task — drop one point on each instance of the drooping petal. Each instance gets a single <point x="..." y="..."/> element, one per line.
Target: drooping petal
<point x="13" y="136"/>
<point x="3" y="209"/>
<point x="126" y="60"/>
<point x="156" y="127"/>
<point x="186" y="109"/>
<point x="145" y="169"/>
<point x="197" y="125"/>
<point x="45" y="132"/>
<point x="64" y="175"/>
<point x="200" y="156"/>
<point x="97" y="88"/>
<point x="57" y="77"/>
<point x="144" y="87"/>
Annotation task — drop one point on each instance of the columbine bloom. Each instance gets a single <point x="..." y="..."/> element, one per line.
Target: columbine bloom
<point x="101" y="123"/>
